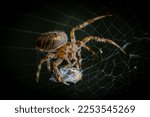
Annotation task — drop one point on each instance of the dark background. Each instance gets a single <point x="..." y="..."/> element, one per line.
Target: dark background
<point x="12" y="88"/>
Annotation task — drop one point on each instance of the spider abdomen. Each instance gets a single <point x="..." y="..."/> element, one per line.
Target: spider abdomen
<point x="51" y="41"/>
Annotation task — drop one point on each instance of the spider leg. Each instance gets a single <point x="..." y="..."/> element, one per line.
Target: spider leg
<point x="81" y="44"/>
<point x="48" y="65"/>
<point x="89" y="49"/>
<point x="40" y="65"/>
<point x="84" y="24"/>
<point x="76" y="62"/>
<point x="72" y="64"/>
<point x="56" y="70"/>
<point x="103" y="40"/>
<point x="79" y="59"/>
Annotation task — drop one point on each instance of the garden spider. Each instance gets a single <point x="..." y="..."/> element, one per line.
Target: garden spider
<point x="58" y="47"/>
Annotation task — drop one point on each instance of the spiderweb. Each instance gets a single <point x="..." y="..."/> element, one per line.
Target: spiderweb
<point x="108" y="75"/>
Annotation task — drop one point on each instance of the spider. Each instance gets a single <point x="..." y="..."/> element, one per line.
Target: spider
<point x="57" y="47"/>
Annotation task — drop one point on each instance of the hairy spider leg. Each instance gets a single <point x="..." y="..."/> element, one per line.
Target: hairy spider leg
<point x="89" y="49"/>
<point x="48" y="65"/>
<point x="55" y="67"/>
<point x="73" y="39"/>
<point x="49" y="56"/>
<point x="84" y="24"/>
<point x="79" y="59"/>
<point x="75" y="63"/>
<point x="103" y="40"/>
<point x="56" y="70"/>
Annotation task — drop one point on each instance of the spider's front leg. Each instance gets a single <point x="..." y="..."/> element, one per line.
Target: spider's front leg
<point x="84" y="24"/>
<point x="102" y="40"/>
<point x="80" y="45"/>
<point x="56" y="70"/>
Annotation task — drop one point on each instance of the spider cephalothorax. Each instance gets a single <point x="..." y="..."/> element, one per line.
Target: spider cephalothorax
<point x="58" y="47"/>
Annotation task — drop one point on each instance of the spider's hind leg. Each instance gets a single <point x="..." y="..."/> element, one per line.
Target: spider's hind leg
<point x="39" y="68"/>
<point x="49" y="56"/>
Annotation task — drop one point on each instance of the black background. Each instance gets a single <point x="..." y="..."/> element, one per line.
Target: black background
<point x="12" y="89"/>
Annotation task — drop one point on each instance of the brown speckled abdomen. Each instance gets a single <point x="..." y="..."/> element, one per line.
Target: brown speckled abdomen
<point x="51" y="41"/>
